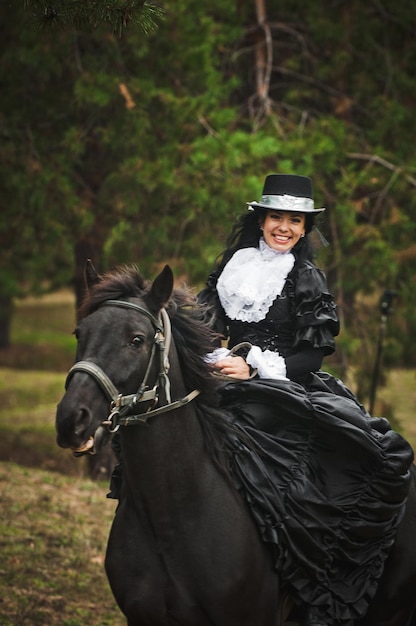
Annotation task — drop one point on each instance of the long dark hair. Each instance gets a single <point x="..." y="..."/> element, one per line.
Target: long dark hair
<point x="246" y="233"/>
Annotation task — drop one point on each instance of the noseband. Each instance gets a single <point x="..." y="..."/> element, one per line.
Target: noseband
<point x="125" y="410"/>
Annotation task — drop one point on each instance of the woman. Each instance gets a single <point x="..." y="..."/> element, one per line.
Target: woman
<point x="326" y="482"/>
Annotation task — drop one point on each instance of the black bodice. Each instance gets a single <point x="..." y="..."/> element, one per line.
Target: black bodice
<point x="303" y="316"/>
<point x="276" y="332"/>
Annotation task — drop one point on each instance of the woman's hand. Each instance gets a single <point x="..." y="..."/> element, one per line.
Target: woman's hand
<point x="234" y="366"/>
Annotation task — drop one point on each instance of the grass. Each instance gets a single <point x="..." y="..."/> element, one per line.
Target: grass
<point x="28" y="402"/>
<point x="53" y="533"/>
<point x="41" y="334"/>
<point x="32" y="377"/>
<point x="399" y="394"/>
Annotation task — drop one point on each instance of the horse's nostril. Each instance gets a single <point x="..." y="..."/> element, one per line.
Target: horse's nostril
<point x="73" y="427"/>
<point x="82" y="421"/>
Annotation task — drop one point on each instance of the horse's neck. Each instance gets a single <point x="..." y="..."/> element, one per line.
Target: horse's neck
<point x="164" y="439"/>
<point x="168" y="474"/>
<point x="167" y="457"/>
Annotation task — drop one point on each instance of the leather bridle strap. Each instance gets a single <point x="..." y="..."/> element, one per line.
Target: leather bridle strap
<point x="99" y="376"/>
<point x="162" y="340"/>
<point x="115" y="420"/>
<point x="124" y="304"/>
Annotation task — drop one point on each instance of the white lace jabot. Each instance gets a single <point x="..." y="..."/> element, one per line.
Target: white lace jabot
<point x="252" y="280"/>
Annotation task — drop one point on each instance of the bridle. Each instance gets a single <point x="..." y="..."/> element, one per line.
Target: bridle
<point x="137" y="408"/>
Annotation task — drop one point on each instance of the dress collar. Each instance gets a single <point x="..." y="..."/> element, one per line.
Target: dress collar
<point x="251" y="281"/>
<point x="268" y="252"/>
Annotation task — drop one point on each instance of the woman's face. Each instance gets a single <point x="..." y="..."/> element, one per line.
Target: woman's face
<point x="282" y="229"/>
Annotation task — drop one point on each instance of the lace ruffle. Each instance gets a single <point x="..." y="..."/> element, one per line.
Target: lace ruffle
<point x="267" y="363"/>
<point x="251" y="281"/>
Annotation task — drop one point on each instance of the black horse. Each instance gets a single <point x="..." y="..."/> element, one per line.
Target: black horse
<point x="183" y="547"/>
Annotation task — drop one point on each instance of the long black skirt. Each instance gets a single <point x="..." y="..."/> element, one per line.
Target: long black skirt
<point x="326" y="483"/>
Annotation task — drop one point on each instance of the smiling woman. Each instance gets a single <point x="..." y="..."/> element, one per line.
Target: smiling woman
<point x="266" y="269"/>
<point x="329" y="472"/>
<point x="282" y="229"/>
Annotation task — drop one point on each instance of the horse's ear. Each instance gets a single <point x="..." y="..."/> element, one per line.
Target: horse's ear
<point x="91" y="275"/>
<point x="161" y="289"/>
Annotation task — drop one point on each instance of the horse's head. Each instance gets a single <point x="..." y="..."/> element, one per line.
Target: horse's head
<point x="115" y="353"/>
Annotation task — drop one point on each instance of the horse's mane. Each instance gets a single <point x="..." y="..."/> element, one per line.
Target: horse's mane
<point x="192" y="336"/>
<point x="124" y="282"/>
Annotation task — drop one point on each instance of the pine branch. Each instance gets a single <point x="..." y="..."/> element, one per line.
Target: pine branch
<point x="374" y="158"/>
<point x="89" y="15"/>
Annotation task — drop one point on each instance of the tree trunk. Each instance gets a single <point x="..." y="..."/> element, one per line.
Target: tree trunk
<point x="264" y="59"/>
<point x="6" y="310"/>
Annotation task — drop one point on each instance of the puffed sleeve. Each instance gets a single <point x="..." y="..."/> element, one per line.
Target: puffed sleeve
<point x="316" y="317"/>
<point x="214" y="314"/>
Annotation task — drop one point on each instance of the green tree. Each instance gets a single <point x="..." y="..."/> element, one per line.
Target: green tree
<point x="58" y="91"/>
<point x="147" y="148"/>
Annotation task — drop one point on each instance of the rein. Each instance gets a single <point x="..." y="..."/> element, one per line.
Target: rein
<point x="122" y="407"/>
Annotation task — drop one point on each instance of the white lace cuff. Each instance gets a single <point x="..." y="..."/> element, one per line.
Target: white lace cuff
<point x="268" y="364"/>
<point x="216" y="355"/>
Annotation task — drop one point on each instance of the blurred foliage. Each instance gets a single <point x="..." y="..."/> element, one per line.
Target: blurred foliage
<point x="145" y="148"/>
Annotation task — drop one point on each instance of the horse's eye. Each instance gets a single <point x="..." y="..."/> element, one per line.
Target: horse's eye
<point x="137" y="341"/>
<point x="76" y="333"/>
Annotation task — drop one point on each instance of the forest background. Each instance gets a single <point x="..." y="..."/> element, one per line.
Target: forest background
<point x="141" y="145"/>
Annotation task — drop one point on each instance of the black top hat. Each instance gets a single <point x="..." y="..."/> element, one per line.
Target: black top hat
<point x="286" y="192"/>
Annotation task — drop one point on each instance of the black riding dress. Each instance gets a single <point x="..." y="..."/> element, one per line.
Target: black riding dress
<point x="326" y="482"/>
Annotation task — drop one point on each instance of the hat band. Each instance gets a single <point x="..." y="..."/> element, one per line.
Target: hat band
<point x="287" y="202"/>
